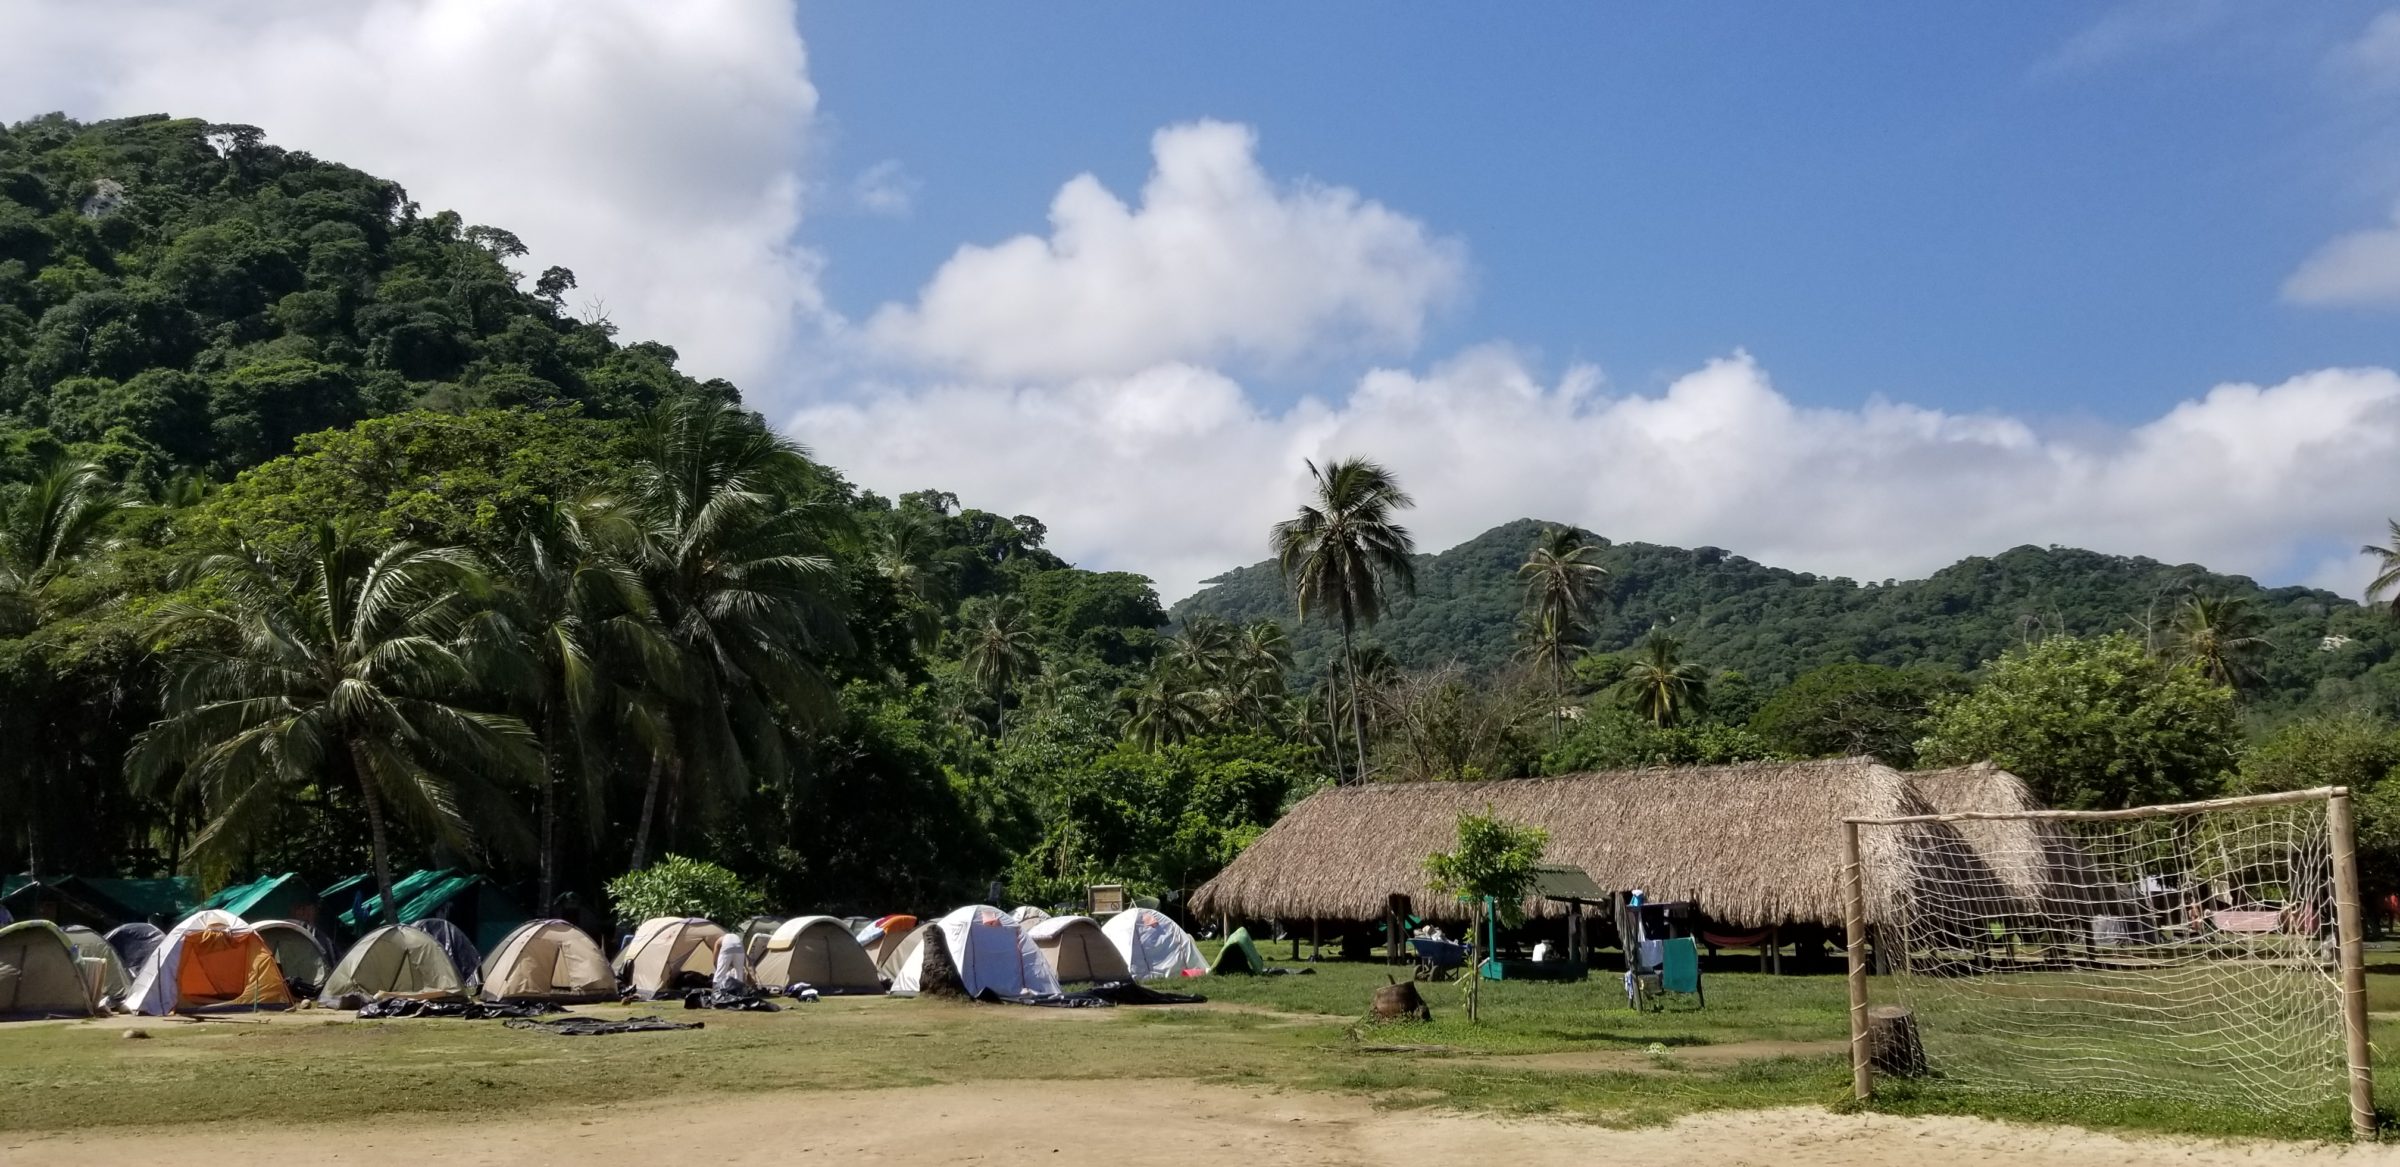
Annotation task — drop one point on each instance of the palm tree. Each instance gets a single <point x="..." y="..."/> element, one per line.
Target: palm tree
<point x="2387" y="567"/>
<point x="54" y="523"/>
<point x="1561" y="581"/>
<point x="1661" y="685"/>
<point x="1262" y="657"/>
<point x="734" y="521"/>
<point x="1336" y="553"/>
<point x="1000" y="651"/>
<point x="1206" y="649"/>
<point x="345" y="664"/>
<point x="58" y="520"/>
<point x="2218" y="635"/>
<point x="910" y="553"/>
<point x="1166" y="707"/>
<point x="576" y="611"/>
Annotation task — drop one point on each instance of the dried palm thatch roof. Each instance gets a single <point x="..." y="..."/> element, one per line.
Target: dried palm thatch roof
<point x="1756" y="844"/>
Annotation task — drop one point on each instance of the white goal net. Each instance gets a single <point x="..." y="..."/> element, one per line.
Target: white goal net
<point x="2181" y="952"/>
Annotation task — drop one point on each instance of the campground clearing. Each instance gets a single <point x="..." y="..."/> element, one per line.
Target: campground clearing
<point x="1271" y="1062"/>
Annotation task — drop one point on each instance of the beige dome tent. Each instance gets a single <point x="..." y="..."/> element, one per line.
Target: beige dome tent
<point x="394" y="961"/>
<point x="817" y="950"/>
<point x="1078" y="950"/>
<point x="90" y="946"/>
<point x="548" y="960"/>
<point x="39" y="975"/>
<point x="663" y="950"/>
<point x="304" y="961"/>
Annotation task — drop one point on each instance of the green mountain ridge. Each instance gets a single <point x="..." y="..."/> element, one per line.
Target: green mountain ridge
<point x="1772" y="624"/>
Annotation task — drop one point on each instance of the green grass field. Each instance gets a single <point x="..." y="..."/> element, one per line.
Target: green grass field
<point x="1569" y="1050"/>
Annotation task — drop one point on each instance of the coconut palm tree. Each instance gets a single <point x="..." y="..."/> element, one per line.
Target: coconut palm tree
<point x="908" y="550"/>
<point x="341" y="665"/>
<point x="575" y="612"/>
<point x="1561" y="581"/>
<point x="999" y="651"/>
<point x="2218" y="635"/>
<point x="1661" y="685"/>
<point x="2387" y="567"/>
<point x="1262" y="658"/>
<point x="56" y="521"/>
<point x="1337" y="552"/>
<point x="735" y="521"/>
<point x="1165" y="707"/>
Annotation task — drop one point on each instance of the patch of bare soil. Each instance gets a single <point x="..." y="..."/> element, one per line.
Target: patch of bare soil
<point x="1682" y="1057"/>
<point x="1135" y="1124"/>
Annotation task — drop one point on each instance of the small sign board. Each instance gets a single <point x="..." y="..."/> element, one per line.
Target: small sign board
<point x="1107" y="899"/>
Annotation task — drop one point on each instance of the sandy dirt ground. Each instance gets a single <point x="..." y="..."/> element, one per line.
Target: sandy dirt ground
<point x="1139" y="1124"/>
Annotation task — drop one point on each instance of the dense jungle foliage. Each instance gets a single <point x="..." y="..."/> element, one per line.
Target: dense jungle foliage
<point x="331" y="543"/>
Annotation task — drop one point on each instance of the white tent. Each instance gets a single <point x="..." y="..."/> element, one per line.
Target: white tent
<point x="211" y="960"/>
<point x="1028" y="915"/>
<point x="1078" y="951"/>
<point x="987" y="948"/>
<point x="1153" y="945"/>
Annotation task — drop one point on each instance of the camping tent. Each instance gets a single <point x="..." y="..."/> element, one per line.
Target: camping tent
<point x="135" y="942"/>
<point x="1028" y="916"/>
<point x="114" y="980"/>
<point x="986" y="949"/>
<point x="1078" y="951"/>
<point x="819" y="951"/>
<point x="394" y="960"/>
<point x="1153" y="945"/>
<point x="212" y="960"/>
<point x="455" y="945"/>
<point x="1239" y="955"/>
<point x="547" y="960"/>
<point x="663" y="950"/>
<point x="299" y="953"/>
<point x="754" y="932"/>
<point x="883" y="940"/>
<point x="39" y="975"/>
<point x="268" y="896"/>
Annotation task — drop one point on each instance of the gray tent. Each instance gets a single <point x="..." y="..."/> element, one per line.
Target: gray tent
<point x="394" y="961"/>
<point x="455" y="945"/>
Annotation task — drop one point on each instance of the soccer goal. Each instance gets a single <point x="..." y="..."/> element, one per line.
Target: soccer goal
<point x="2207" y="951"/>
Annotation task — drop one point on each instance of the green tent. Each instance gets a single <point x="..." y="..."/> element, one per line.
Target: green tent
<point x="1239" y="956"/>
<point x="96" y="902"/>
<point x="473" y="902"/>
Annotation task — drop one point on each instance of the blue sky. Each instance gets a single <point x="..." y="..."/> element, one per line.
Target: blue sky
<point x="2004" y="207"/>
<point x="1855" y="289"/>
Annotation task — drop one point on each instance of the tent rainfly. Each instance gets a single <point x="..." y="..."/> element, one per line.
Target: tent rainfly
<point x="299" y="953"/>
<point x="1756" y="844"/>
<point x="394" y="961"/>
<point x="883" y="940"/>
<point x="1077" y="950"/>
<point x="455" y="945"/>
<point x="89" y="946"/>
<point x="986" y="950"/>
<point x="1028" y="916"/>
<point x="1153" y="945"/>
<point x="40" y="975"/>
<point x="135" y="942"/>
<point x="819" y="952"/>
<point x="211" y="961"/>
<point x="663" y="951"/>
<point x="548" y="960"/>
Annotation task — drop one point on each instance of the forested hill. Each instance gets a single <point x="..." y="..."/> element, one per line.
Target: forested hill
<point x="1771" y="624"/>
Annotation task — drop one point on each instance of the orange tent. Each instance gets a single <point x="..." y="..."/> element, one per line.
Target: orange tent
<point x="210" y="967"/>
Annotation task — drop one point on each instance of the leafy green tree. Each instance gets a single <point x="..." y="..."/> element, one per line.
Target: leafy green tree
<point x="676" y="886"/>
<point x="1338" y="551"/>
<point x="2356" y="749"/>
<point x="1606" y="738"/>
<point x="2092" y="722"/>
<point x="999" y="651"/>
<point x="49" y="525"/>
<point x="1661" y="685"/>
<point x="1494" y="860"/>
<point x="343" y="666"/>
<point x="2387" y="568"/>
<point x="1847" y="710"/>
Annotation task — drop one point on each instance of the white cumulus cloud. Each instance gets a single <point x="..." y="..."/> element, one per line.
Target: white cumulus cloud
<point x="656" y="149"/>
<point x="1218" y="263"/>
<point x="1177" y="472"/>
<point x="2360" y="269"/>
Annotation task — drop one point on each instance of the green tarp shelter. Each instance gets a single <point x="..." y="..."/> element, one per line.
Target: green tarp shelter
<point x="98" y="902"/>
<point x="473" y="902"/>
<point x="269" y="897"/>
<point x="1239" y="956"/>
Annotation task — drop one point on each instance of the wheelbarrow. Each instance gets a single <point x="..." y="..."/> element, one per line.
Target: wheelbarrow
<point x="1435" y="957"/>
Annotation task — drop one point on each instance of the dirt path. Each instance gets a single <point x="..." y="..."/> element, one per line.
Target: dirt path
<point x="1135" y="1124"/>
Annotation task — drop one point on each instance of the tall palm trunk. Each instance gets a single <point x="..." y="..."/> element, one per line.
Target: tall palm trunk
<point x="377" y="839"/>
<point x="1358" y="715"/>
<point x="641" y="834"/>
<point x="1333" y="729"/>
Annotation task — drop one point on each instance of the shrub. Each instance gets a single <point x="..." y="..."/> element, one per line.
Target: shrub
<point x="676" y="886"/>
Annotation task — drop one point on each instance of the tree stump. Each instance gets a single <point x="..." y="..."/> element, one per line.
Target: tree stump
<point x="1399" y="1001"/>
<point x="1892" y="1045"/>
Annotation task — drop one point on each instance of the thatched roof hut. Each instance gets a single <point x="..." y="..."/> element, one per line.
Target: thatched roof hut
<point x="1757" y="844"/>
